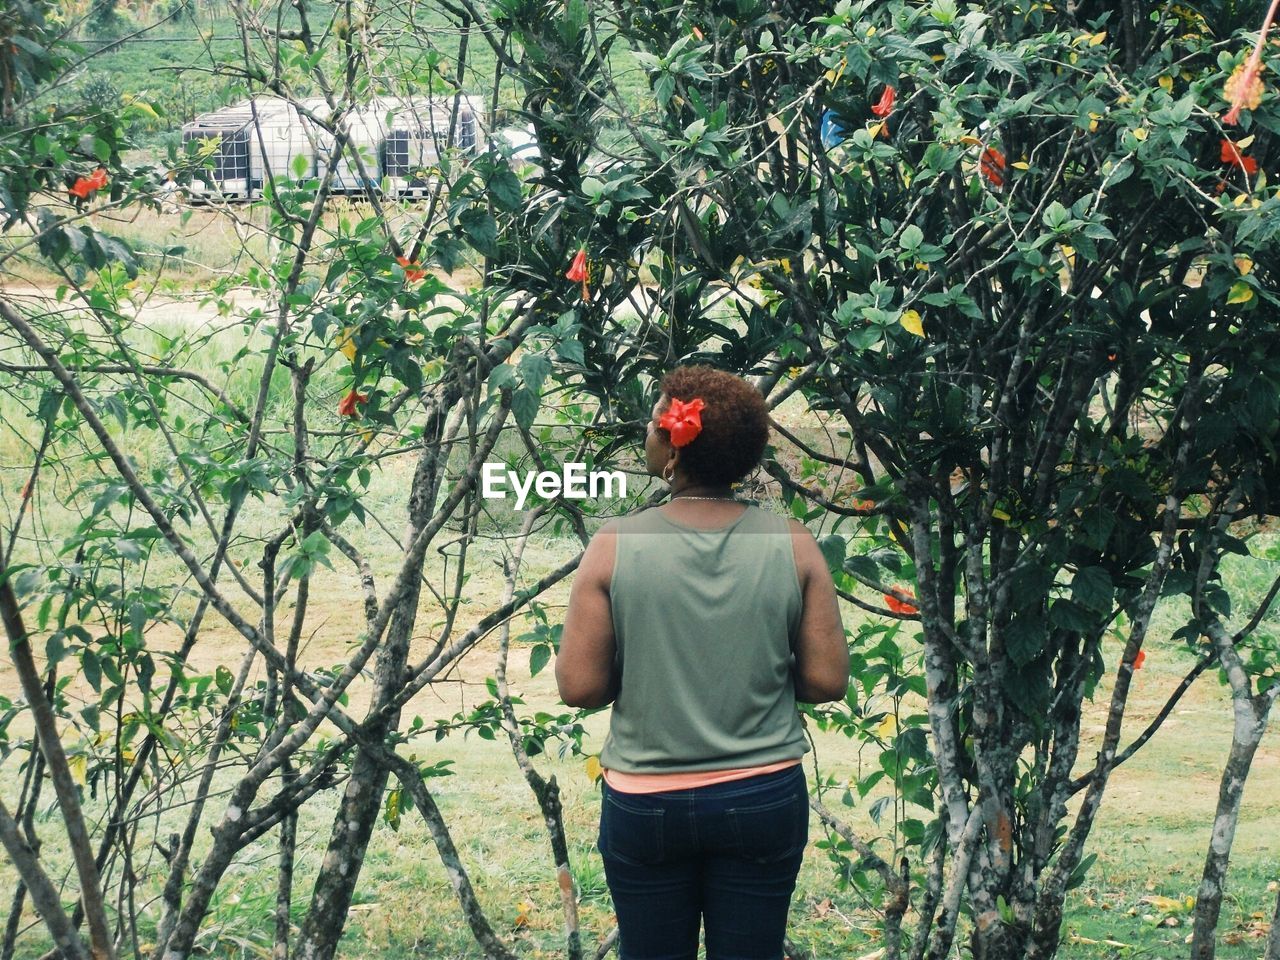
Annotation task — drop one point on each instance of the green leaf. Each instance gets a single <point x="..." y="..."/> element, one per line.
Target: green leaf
<point x="534" y="370"/>
<point x="1241" y="292"/>
<point x="1069" y="615"/>
<point x="524" y="404"/>
<point x="1078" y="874"/>
<point x="223" y="679"/>
<point x="92" y="669"/>
<point x="138" y="621"/>
<point x="480" y="230"/>
<point x="571" y="351"/>
<point x="1028" y="688"/>
<point x="1056" y="216"/>
<point x="833" y="550"/>
<point x="54" y="647"/>
<point x="1096" y="526"/>
<point x="504" y="187"/>
<point x="1092" y="588"/>
<point x="539" y="656"/>
<point x="503" y="375"/>
<point x="391" y="813"/>
<point x="1024" y="638"/>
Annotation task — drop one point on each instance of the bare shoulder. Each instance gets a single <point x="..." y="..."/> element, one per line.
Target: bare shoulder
<point x="597" y="561"/>
<point x="804" y="546"/>
<point x="801" y="535"/>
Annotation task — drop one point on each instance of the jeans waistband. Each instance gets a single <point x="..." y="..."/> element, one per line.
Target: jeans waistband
<point x="747" y="786"/>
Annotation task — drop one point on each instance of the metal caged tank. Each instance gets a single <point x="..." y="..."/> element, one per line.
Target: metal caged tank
<point x="393" y="144"/>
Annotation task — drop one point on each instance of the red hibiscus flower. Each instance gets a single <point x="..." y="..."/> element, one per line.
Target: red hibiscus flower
<point x="578" y="269"/>
<point x="991" y="166"/>
<point x="1137" y="661"/>
<point x="579" y="272"/>
<point x="411" y="269"/>
<point x="683" y="420"/>
<point x="84" y="187"/>
<point x="895" y="602"/>
<point x="884" y="106"/>
<point x="347" y="406"/>
<point x="1232" y="156"/>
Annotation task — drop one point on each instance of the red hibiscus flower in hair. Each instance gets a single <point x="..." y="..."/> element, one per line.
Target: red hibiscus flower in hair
<point x="683" y="420"/>
<point x="884" y="106"/>
<point x="348" y="405"/>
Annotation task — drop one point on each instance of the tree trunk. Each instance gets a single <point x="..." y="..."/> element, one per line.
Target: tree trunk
<point x="993" y="939"/>
<point x="284" y="881"/>
<point x="1250" y="723"/>
<point x="361" y="803"/>
<point x="545" y="790"/>
<point x="1273" y="937"/>
<point x="362" y="800"/>
<point x="44" y="895"/>
<point x="101" y="943"/>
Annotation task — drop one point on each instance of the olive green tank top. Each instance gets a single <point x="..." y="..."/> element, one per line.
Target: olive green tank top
<point x="703" y="624"/>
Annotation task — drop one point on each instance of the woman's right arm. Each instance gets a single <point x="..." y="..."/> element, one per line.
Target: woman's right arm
<point x="821" y="651"/>
<point x="586" y="674"/>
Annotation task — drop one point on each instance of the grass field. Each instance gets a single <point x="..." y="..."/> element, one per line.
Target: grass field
<point x="1150" y="838"/>
<point x="178" y="65"/>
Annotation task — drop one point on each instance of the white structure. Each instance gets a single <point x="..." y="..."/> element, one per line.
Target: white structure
<point x="395" y="139"/>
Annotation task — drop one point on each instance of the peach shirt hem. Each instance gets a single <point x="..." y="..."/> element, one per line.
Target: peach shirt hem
<point x="688" y="780"/>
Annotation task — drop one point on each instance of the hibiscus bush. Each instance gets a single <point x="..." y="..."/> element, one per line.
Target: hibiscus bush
<point x="1019" y="260"/>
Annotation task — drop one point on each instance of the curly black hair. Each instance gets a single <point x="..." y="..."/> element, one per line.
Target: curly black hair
<point x="735" y="423"/>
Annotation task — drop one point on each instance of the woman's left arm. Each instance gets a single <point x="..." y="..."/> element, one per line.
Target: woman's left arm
<point x="585" y="670"/>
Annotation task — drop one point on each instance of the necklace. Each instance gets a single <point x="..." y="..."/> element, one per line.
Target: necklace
<point x="685" y="496"/>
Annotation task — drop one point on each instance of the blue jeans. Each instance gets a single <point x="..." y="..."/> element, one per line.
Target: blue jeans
<point x="725" y="856"/>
